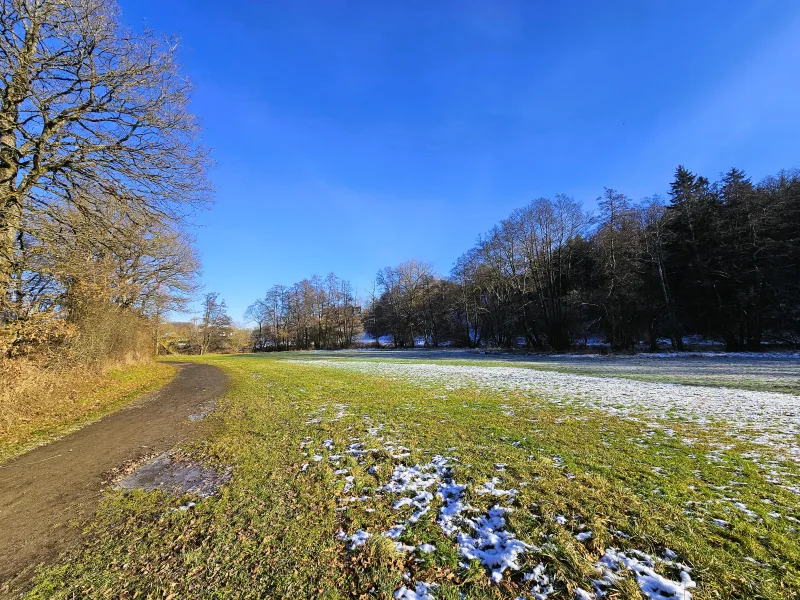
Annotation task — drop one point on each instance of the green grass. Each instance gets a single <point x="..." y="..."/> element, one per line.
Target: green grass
<point x="74" y="401"/>
<point x="270" y="533"/>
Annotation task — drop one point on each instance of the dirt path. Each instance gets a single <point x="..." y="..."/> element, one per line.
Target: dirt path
<point x="42" y="491"/>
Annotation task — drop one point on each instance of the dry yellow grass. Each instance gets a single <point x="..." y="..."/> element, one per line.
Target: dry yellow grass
<point x="39" y="403"/>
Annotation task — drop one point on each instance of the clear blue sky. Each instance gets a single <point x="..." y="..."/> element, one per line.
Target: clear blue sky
<point x="353" y="135"/>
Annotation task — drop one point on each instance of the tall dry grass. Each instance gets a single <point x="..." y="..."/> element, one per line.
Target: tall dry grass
<point x="106" y="357"/>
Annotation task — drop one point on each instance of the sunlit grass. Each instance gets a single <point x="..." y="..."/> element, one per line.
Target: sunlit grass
<point x="272" y="531"/>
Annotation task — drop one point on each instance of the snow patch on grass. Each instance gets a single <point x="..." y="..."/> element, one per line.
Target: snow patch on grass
<point x="766" y="418"/>
<point x="422" y="591"/>
<point x="652" y="584"/>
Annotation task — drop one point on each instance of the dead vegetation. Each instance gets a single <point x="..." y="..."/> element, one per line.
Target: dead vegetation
<point x="74" y="372"/>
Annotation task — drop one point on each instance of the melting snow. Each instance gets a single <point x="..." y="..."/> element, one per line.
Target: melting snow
<point x="767" y="418"/>
<point x="484" y="538"/>
<point x="652" y="584"/>
<point x="359" y="538"/>
<point x="542" y="584"/>
<point x="490" y="487"/>
<point x="491" y="544"/>
<point x="422" y="591"/>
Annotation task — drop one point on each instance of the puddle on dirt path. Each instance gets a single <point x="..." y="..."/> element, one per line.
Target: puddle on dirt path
<point x="175" y="476"/>
<point x="205" y="410"/>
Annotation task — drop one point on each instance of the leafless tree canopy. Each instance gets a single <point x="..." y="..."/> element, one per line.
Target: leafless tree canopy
<point x="89" y="111"/>
<point x="415" y="303"/>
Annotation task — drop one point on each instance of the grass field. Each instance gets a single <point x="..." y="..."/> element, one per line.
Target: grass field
<point x="380" y="479"/>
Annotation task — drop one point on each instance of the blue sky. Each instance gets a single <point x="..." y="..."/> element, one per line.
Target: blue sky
<point x="353" y="135"/>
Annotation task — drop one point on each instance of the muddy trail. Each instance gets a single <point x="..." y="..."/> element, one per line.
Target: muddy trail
<point x="47" y="492"/>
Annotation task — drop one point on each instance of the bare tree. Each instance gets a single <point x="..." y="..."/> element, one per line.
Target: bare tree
<point x="651" y="213"/>
<point x="88" y="105"/>
<point x="215" y="325"/>
<point x="258" y="313"/>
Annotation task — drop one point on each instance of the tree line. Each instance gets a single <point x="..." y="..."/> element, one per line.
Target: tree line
<point x="719" y="260"/>
<point x="312" y="313"/>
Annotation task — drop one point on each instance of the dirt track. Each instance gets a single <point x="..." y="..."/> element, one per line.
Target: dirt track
<point x="43" y="491"/>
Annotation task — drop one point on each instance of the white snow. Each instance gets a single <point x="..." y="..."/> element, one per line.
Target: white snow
<point x="491" y="544"/>
<point x="652" y="584"/>
<point x="743" y="507"/>
<point x="542" y="585"/>
<point x="490" y="487"/>
<point x="359" y="538"/>
<point x="422" y="591"/>
<point x="720" y="522"/>
<point x="395" y="532"/>
<point x="484" y="538"/>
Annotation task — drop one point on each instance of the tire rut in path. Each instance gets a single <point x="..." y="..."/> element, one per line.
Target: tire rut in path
<point x="44" y="490"/>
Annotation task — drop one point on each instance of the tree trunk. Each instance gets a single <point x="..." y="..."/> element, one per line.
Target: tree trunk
<point x="10" y="198"/>
<point x="653" y="337"/>
<point x="10" y="212"/>
<point x="10" y="221"/>
<point x="675" y="334"/>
